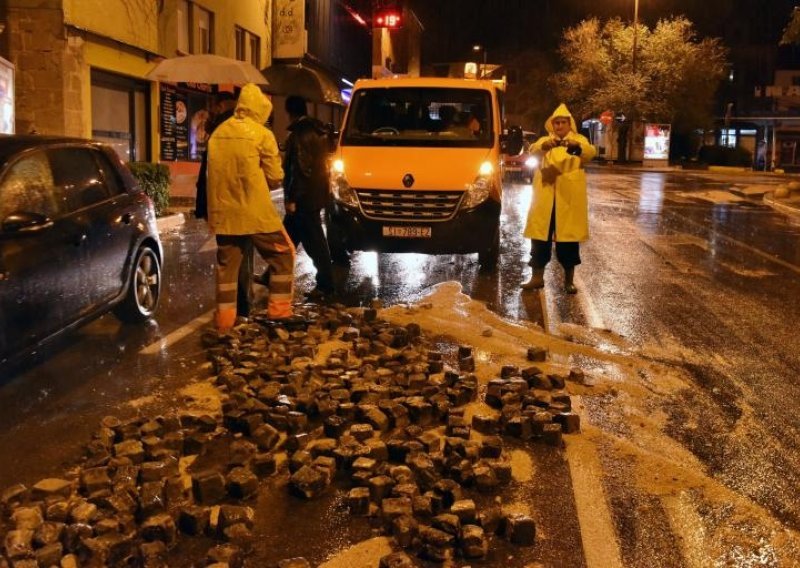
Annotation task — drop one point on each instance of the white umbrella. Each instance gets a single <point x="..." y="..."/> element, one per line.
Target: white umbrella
<point x="207" y="68"/>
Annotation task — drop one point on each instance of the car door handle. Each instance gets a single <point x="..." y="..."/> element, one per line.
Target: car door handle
<point x="127" y="218"/>
<point x="80" y="239"/>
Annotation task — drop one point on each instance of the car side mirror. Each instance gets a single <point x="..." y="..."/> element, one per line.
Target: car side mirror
<point x="512" y="142"/>
<point x="25" y="222"/>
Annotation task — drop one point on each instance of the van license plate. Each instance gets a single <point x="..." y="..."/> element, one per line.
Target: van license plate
<point x="407" y="232"/>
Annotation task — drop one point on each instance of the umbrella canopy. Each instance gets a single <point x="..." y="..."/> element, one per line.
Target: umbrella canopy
<point x="285" y="79"/>
<point x="206" y="68"/>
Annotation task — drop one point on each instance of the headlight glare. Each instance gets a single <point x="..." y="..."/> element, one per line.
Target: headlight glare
<point x="486" y="169"/>
<point x="476" y="192"/>
<point x="342" y="191"/>
<point x="532" y="163"/>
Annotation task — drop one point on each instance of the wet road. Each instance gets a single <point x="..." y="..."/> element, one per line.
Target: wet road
<point x="685" y="322"/>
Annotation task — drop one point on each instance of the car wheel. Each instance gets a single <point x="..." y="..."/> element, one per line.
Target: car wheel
<point x="144" y="288"/>
<point x="488" y="256"/>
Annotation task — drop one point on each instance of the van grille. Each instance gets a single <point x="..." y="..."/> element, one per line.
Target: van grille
<point x="387" y="205"/>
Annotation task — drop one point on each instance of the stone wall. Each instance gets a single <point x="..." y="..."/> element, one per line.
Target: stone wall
<point x="48" y="70"/>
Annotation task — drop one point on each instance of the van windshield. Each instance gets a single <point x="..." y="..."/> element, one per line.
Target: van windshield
<point x="420" y="116"/>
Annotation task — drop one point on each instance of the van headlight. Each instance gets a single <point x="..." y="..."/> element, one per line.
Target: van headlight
<point x="532" y="163"/>
<point x="478" y="191"/>
<point x="341" y="190"/>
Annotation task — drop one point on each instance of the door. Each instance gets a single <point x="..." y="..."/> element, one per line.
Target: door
<point x="40" y="267"/>
<point x="95" y="193"/>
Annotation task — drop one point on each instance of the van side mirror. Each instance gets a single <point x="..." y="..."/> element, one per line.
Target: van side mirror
<point x="511" y="143"/>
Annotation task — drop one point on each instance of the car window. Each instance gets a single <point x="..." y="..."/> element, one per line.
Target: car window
<point x="76" y="173"/>
<point x="110" y="174"/>
<point x="28" y="186"/>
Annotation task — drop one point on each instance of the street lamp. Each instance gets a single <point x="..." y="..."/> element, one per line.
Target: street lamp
<point x="476" y="48"/>
<point x="635" y="30"/>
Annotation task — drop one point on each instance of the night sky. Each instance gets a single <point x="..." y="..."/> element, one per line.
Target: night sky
<point x="507" y="26"/>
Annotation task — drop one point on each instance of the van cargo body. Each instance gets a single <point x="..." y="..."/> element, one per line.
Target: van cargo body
<point x="417" y="168"/>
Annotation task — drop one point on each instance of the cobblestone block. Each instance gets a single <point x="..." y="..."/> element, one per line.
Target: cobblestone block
<point x="47" y="489"/>
<point x="159" y="527"/>
<point x="193" y="520"/>
<point x="208" y="487"/>
<point x="241" y="483"/>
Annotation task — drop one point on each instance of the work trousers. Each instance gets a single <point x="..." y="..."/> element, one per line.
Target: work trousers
<point x="277" y="251"/>
<point x="304" y="227"/>
<point x="567" y="253"/>
<point x="244" y="291"/>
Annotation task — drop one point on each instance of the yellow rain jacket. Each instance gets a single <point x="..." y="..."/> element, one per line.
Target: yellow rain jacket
<point x="562" y="178"/>
<point x="243" y="163"/>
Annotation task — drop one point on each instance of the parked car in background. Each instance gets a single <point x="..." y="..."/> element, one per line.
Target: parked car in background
<point x="78" y="237"/>
<point x="520" y="167"/>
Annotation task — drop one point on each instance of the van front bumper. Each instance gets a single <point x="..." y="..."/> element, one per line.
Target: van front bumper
<point x="467" y="232"/>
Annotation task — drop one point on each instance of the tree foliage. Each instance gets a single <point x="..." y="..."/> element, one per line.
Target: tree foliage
<point x="791" y="33"/>
<point x="675" y="78"/>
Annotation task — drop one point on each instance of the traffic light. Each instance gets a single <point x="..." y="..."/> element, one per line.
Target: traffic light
<point x="388" y="15"/>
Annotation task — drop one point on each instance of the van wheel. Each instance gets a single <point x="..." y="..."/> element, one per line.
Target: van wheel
<point x="144" y="288"/>
<point x="489" y="256"/>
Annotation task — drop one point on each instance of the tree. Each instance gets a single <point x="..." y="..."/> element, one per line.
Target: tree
<point x="791" y="33"/>
<point x="675" y="78"/>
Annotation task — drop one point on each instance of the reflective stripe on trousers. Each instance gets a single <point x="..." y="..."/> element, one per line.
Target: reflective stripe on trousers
<point x="277" y="251"/>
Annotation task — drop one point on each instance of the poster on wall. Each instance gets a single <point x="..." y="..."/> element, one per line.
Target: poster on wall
<point x="174" y="124"/>
<point x="656" y="141"/>
<point x="6" y="97"/>
<point x="289" y="29"/>
<point x="199" y="116"/>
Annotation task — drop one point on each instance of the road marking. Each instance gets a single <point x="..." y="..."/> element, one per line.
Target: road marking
<point x="209" y="245"/>
<point x="593" y="317"/>
<point x="545" y="316"/>
<point x="600" y="547"/>
<point x="169" y="340"/>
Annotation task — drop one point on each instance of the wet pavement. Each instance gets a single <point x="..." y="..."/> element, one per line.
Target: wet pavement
<point x="685" y="321"/>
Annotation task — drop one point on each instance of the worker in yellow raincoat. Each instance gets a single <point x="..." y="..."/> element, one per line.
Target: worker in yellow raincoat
<point x="243" y="164"/>
<point x="559" y="209"/>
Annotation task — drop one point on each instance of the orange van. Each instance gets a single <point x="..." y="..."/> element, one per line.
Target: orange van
<point x="417" y="168"/>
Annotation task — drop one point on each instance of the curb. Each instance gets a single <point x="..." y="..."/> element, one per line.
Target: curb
<point x="782" y="207"/>
<point x="169" y="222"/>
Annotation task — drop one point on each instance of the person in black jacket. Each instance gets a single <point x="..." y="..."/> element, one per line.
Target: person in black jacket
<point x="306" y="191"/>
<point x="225" y="104"/>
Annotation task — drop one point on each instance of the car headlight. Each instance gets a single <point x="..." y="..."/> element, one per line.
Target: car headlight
<point x="341" y="190"/>
<point x="478" y="191"/>
<point x="532" y="163"/>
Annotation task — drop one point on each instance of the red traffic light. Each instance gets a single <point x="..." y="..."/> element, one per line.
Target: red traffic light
<point x="388" y="19"/>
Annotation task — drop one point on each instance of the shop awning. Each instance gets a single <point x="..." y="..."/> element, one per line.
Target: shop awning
<point x="298" y="79"/>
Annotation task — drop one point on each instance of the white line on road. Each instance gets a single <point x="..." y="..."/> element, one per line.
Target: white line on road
<point x="209" y="245"/>
<point x="169" y="340"/>
<point x="599" y="539"/>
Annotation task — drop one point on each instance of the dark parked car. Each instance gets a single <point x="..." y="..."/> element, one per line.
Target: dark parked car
<point x="77" y="237"/>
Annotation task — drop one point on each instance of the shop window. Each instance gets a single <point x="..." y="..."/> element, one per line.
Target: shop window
<point x="255" y="50"/>
<point x="241" y="43"/>
<point x="728" y="137"/>
<point x="248" y="46"/>
<point x="202" y="29"/>
<point x="120" y="114"/>
<point x="183" y="26"/>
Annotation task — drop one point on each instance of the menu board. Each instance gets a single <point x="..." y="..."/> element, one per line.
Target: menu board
<point x="174" y="124"/>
